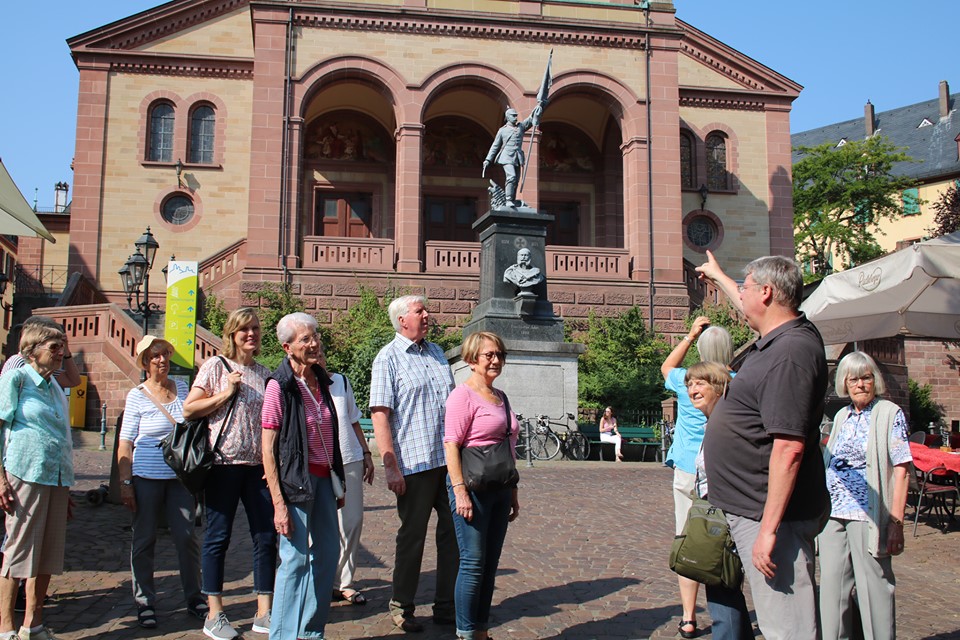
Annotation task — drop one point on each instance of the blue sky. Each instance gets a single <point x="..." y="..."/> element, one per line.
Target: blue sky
<point x="843" y="52"/>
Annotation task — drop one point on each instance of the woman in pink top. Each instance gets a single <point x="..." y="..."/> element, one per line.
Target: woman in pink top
<point x="477" y="415"/>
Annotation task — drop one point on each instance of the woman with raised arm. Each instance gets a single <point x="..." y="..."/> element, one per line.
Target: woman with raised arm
<point x="229" y="389"/>
<point x="714" y="345"/>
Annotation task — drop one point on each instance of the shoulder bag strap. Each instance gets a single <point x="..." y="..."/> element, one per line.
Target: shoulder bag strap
<point x="316" y="404"/>
<point x="506" y="406"/>
<point x="233" y="403"/>
<point x="159" y="406"/>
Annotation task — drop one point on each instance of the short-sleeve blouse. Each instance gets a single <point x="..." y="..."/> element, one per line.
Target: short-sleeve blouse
<point x="240" y="443"/>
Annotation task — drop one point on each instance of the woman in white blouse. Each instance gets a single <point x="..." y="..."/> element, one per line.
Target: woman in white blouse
<point x="149" y="487"/>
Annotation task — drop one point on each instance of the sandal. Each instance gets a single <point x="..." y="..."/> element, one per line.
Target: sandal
<point x="688" y="634"/>
<point x="147" y="618"/>
<point x="354" y="597"/>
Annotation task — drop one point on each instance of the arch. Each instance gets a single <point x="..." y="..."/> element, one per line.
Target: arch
<point x="383" y="77"/>
<point x="202" y="133"/>
<point x="475" y="74"/>
<point x="147" y="104"/>
<point x="196" y="100"/>
<point x="622" y="101"/>
<point x="732" y="154"/>
<point x="688" y="159"/>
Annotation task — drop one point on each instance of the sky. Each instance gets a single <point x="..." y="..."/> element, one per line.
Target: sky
<point x="843" y="52"/>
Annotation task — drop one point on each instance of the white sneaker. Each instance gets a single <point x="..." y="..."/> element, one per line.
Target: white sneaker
<point x="219" y="628"/>
<point x="261" y="624"/>
<point x="43" y="634"/>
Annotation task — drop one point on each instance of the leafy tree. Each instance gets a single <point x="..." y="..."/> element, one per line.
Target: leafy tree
<point x="923" y="408"/>
<point x="214" y="314"/>
<point x="947" y="217"/>
<point x="276" y="301"/>
<point x="621" y="366"/>
<point x="841" y="195"/>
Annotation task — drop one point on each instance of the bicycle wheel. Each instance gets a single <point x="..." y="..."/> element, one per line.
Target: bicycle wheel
<point x="577" y="446"/>
<point x="521" y="447"/>
<point x="544" y="446"/>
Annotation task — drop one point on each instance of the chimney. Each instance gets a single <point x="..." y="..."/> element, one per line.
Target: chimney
<point x="868" y="118"/>
<point x="60" y="191"/>
<point x="944" y="99"/>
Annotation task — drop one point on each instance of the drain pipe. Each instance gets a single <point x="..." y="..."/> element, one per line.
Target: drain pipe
<point x="648" y="55"/>
<point x="285" y="148"/>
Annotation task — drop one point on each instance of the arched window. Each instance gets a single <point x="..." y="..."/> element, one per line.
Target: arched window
<point x="160" y="144"/>
<point x="688" y="162"/>
<point x="717" y="178"/>
<point x="202" y="123"/>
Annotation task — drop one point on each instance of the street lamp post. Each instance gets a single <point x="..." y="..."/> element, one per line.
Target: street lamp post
<point x="135" y="277"/>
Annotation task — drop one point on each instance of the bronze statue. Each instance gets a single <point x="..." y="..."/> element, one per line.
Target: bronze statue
<point x="507" y="150"/>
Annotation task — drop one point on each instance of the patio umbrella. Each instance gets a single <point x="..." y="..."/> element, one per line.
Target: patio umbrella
<point x="16" y="216"/>
<point x="914" y="291"/>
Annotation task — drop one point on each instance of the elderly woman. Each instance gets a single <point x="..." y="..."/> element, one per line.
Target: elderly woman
<point x="35" y="476"/>
<point x="357" y="468"/>
<point x="150" y="489"/>
<point x="706" y="383"/>
<point x="714" y="345"/>
<point x="301" y="458"/>
<point x="236" y="380"/>
<point x="477" y="414"/>
<point x="867" y="459"/>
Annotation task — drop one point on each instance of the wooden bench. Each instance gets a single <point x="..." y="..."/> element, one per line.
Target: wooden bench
<point x="632" y="434"/>
<point x="367" y="425"/>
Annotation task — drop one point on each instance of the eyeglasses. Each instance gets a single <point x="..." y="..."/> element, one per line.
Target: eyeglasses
<point x="742" y="287"/>
<point x="490" y="355"/>
<point x="54" y="347"/>
<point x="867" y="379"/>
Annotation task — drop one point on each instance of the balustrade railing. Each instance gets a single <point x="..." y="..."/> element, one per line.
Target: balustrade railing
<point x="223" y="264"/>
<point x="358" y="254"/>
<point x="40" y="280"/>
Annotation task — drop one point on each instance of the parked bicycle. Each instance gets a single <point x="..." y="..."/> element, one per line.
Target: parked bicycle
<point x="543" y="442"/>
<point x="573" y="444"/>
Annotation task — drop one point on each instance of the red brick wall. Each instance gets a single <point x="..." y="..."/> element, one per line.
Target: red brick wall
<point x="937" y="363"/>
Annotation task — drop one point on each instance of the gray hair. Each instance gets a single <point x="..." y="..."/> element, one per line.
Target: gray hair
<point x="783" y="274"/>
<point x="290" y="323"/>
<point x="401" y="307"/>
<point x="715" y="345"/>
<point x="857" y="363"/>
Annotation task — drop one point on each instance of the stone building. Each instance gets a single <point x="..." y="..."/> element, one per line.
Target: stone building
<point x="334" y="145"/>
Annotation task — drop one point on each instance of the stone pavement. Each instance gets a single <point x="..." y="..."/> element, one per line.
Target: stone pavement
<point x="586" y="559"/>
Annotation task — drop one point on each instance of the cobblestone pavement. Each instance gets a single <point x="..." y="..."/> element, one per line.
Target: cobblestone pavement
<point x="586" y="559"/>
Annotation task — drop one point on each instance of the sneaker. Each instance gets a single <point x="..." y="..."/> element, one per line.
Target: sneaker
<point x="43" y="634"/>
<point x="219" y="628"/>
<point x="261" y="624"/>
<point x="10" y="635"/>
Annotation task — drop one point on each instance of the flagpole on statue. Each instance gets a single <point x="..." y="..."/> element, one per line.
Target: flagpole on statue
<point x="543" y="96"/>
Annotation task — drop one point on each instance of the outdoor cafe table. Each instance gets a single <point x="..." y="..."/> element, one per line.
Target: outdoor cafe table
<point x="926" y="458"/>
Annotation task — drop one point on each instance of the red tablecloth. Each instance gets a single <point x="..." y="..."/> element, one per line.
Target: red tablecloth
<point x="925" y="458"/>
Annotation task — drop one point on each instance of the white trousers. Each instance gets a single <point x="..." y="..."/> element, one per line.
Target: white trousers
<point x="350" y="518"/>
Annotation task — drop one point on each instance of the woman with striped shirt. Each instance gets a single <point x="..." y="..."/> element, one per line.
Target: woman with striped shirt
<point x="298" y="411"/>
<point x="148" y="487"/>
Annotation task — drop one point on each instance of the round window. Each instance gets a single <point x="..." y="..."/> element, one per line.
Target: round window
<point x="702" y="231"/>
<point x="177" y="209"/>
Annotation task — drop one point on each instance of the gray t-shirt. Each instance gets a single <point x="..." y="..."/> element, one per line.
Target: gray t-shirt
<point x="779" y="390"/>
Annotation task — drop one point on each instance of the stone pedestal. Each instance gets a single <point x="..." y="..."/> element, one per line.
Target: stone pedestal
<point x="541" y="372"/>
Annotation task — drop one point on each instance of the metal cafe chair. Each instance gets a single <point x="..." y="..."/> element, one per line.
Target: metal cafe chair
<point x="932" y="496"/>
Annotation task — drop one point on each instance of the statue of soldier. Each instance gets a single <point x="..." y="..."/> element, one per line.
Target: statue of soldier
<point x="507" y="150"/>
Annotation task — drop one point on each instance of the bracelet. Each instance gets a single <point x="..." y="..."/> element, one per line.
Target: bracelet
<point x="367" y="453"/>
<point x="687" y="338"/>
<point x="68" y="357"/>
<point x="896" y="521"/>
<point x="454" y="486"/>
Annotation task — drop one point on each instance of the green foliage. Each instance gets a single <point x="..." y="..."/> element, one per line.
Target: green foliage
<point x="214" y="315"/>
<point x="721" y="315"/>
<point x="276" y="301"/>
<point x="923" y="408"/>
<point x="841" y="195"/>
<point x="947" y="217"/>
<point x="621" y="366"/>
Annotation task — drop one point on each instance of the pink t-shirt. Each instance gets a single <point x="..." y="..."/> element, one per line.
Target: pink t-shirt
<point x="273" y="417"/>
<point x="472" y="421"/>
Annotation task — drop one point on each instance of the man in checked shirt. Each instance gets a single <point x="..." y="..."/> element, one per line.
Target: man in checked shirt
<point x="410" y="384"/>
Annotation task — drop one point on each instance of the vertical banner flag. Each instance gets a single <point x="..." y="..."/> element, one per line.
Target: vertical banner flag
<point x="181" y="327"/>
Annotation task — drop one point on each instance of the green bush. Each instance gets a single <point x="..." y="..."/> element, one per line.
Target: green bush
<point x="214" y="315"/>
<point x="923" y="408"/>
<point x="721" y="315"/>
<point x="621" y="366"/>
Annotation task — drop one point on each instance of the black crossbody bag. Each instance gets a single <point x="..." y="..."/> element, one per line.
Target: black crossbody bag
<point x="490" y="467"/>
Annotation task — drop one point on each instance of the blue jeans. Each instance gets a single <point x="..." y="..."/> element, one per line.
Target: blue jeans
<point x="728" y="609"/>
<point x="308" y="560"/>
<point x="227" y="485"/>
<point x="480" y="542"/>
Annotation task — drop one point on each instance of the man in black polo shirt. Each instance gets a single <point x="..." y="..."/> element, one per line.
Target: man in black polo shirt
<point x="761" y="448"/>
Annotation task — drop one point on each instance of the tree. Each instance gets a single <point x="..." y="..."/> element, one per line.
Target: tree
<point x="947" y="208"/>
<point x="841" y="195"/>
<point x="621" y="366"/>
<point x="721" y="315"/>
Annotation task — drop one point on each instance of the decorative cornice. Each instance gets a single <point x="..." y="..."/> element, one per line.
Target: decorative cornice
<point x="169" y="64"/>
<point x="722" y="66"/>
<point x="154" y="24"/>
<point x="716" y="100"/>
<point x="607" y="36"/>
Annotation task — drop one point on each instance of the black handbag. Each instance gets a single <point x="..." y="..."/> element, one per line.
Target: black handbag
<point x="492" y="466"/>
<point x="185" y="448"/>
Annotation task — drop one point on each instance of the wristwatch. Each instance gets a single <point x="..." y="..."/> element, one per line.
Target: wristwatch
<point x="127" y="483"/>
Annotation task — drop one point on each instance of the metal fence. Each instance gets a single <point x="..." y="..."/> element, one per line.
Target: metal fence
<point x="41" y="280"/>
